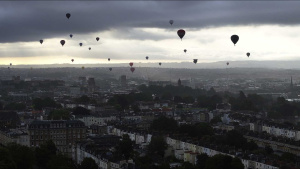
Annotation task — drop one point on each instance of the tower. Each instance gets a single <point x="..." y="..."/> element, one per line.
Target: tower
<point x="179" y="82"/>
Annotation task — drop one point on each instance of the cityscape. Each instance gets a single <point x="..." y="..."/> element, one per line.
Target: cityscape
<point x="113" y="117"/>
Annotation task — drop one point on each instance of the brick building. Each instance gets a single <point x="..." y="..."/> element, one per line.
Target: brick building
<point x="64" y="133"/>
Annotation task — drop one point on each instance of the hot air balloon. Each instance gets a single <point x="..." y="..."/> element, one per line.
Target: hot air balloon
<point x="90" y="48"/>
<point x="234" y="39"/>
<point x="68" y="15"/>
<point x="62" y="42"/>
<point x="10" y="64"/>
<point x="71" y="35"/>
<point x="181" y="33"/>
<point x="97" y="38"/>
<point x="195" y="61"/>
<point x="82" y="67"/>
<point x="184" y="50"/>
<point x="108" y="59"/>
<point x="72" y="60"/>
<point x="132" y="69"/>
<point x="80" y="44"/>
<point x="41" y="41"/>
<point x="159" y="64"/>
<point x="171" y="22"/>
<point x="110" y="69"/>
<point x="227" y="63"/>
<point x="248" y="54"/>
<point x="130" y="64"/>
<point x="147" y="57"/>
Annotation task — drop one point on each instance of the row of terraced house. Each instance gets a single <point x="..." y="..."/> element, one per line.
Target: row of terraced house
<point x="188" y="151"/>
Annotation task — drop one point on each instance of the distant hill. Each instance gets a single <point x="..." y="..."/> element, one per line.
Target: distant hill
<point x="213" y="65"/>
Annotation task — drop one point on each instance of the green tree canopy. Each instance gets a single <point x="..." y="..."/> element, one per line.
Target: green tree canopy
<point x="157" y="146"/>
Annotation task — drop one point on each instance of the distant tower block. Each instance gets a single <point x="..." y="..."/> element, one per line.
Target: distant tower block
<point x="123" y="80"/>
<point x="179" y="82"/>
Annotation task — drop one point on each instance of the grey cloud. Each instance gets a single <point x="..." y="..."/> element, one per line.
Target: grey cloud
<point x="31" y="21"/>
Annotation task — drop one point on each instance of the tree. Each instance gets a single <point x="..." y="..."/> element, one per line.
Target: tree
<point x="125" y="147"/>
<point x="157" y="146"/>
<point x="59" y="114"/>
<point x="164" y="123"/>
<point x="23" y="156"/>
<point x="6" y="161"/>
<point x="223" y="162"/>
<point x="15" y="106"/>
<point x="216" y="120"/>
<point x="60" y="162"/>
<point x="83" y="99"/>
<point x="88" y="163"/>
<point x="44" y="153"/>
<point x="288" y="157"/>
<point x="236" y="163"/>
<point x="234" y="138"/>
<point x="201" y="160"/>
<point x="81" y="111"/>
<point x="39" y="103"/>
<point x="269" y="150"/>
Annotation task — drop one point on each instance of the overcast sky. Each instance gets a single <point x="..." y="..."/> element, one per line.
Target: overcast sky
<point x="131" y="30"/>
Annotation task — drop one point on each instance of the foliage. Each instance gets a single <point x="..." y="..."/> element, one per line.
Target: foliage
<point x="23" y="156"/>
<point x="269" y="150"/>
<point x="15" y="106"/>
<point x="234" y="138"/>
<point x="209" y="102"/>
<point x="6" y="161"/>
<point x="88" y="163"/>
<point x="60" y="162"/>
<point x="201" y="161"/>
<point x="81" y="111"/>
<point x="82" y="100"/>
<point x="223" y="162"/>
<point x="59" y="114"/>
<point x="39" y="103"/>
<point x="157" y="146"/>
<point x="44" y="153"/>
<point x="164" y="124"/>
<point x="197" y="130"/>
<point x="125" y="147"/>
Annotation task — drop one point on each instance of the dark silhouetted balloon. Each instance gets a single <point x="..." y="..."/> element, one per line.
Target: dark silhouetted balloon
<point x="248" y="54"/>
<point x="227" y="63"/>
<point x="171" y="22"/>
<point x="10" y="64"/>
<point x="90" y="48"/>
<point x="72" y="60"/>
<point x="62" y="42"/>
<point x="132" y="69"/>
<point x="234" y="39"/>
<point x="80" y="44"/>
<point x="147" y="57"/>
<point x="195" y="61"/>
<point x="110" y="69"/>
<point x="108" y="59"/>
<point x="41" y="41"/>
<point x="181" y="33"/>
<point x="82" y="67"/>
<point x="71" y="35"/>
<point x="184" y="50"/>
<point x="130" y="64"/>
<point x="97" y="38"/>
<point x="159" y="64"/>
<point x="68" y="15"/>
